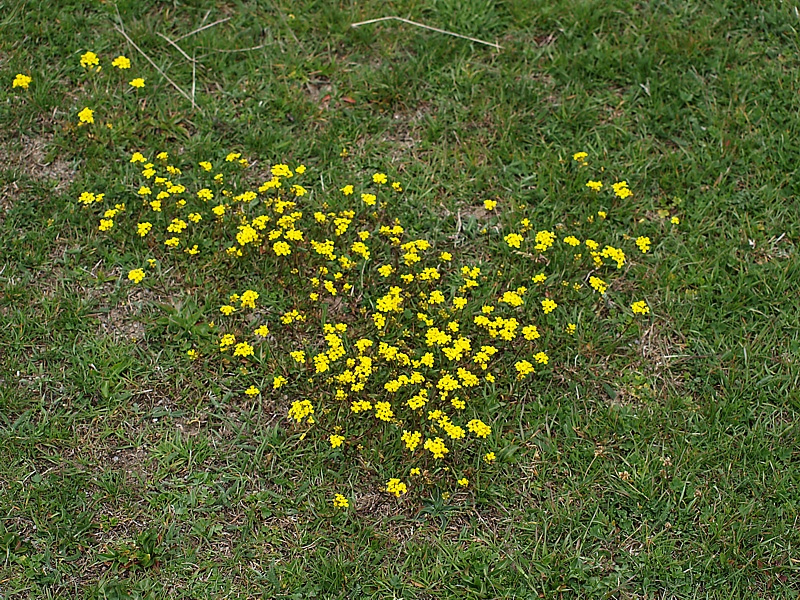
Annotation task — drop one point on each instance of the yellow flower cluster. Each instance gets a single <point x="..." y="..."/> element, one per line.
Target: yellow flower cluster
<point x="381" y="336"/>
<point x="21" y="81"/>
<point x="396" y="487"/>
<point x="301" y="409"/>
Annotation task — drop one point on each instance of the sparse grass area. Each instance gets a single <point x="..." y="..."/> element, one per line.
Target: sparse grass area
<point x="652" y="461"/>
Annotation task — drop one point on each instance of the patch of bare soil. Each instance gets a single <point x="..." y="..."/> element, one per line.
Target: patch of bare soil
<point x="404" y="133"/>
<point x="31" y="159"/>
<point x="123" y="320"/>
<point x="28" y="157"/>
<point x="120" y="324"/>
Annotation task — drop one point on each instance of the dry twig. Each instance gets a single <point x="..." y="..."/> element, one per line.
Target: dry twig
<point x="155" y="66"/>
<point x="244" y="49"/>
<point x="121" y="31"/>
<point x="199" y="29"/>
<point x="436" y="29"/>
<point x="171" y="43"/>
<point x="194" y="73"/>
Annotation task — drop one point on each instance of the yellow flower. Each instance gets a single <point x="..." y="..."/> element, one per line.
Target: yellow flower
<point x="136" y="275"/>
<point x="121" y="62"/>
<point x="598" y="284"/>
<point x="252" y="391"/>
<point x="243" y="349"/>
<point x="383" y="411"/>
<point x="89" y="60"/>
<point x="336" y="440"/>
<point x="531" y="332"/>
<point x="489" y="204"/>
<point x="300" y="410"/>
<point x="544" y="239"/>
<point x="340" y="501"/>
<point x="621" y="189"/>
<point x="463" y="482"/>
<point x="249" y="298"/>
<point x="137" y="83"/>
<point x="489" y="457"/>
<point x="436" y="447"/>
<point x="523" y="368"/>
<point x="281" y="248"/>
<point x="548" y="306"/>
<point x="640" y="308"/>
<point x="396" y="487"/>
<point x="347" y="190"/>
<point x="176" y="226"/>
<point x="281" y="170"/>
<point x="480" y="428"/>
<point x="379" y="178"/>
<point x="595" y="186"/>
<point x="86" y="115"/>
<point x="22" y="81"/>
<point x="411" y="439"/>
<point x="580" y="157"/>
<point x="513" y="240"/>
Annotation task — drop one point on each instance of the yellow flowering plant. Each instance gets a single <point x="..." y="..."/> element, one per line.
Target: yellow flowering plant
<point x="367" y="336"/>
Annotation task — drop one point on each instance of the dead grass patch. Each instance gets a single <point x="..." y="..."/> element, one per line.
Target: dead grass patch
<point x="29" y="157"/>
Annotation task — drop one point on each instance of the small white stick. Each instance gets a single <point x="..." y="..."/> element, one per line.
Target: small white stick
<point x="199" y="29"/>
<point x="171" y="43"/>
<point x="194" y="73"/>
<point x="245" y="49"/>
<point x="436" y="29"/>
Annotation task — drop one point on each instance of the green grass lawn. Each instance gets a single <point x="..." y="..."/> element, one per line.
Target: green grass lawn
<point x="655" y="456"/>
